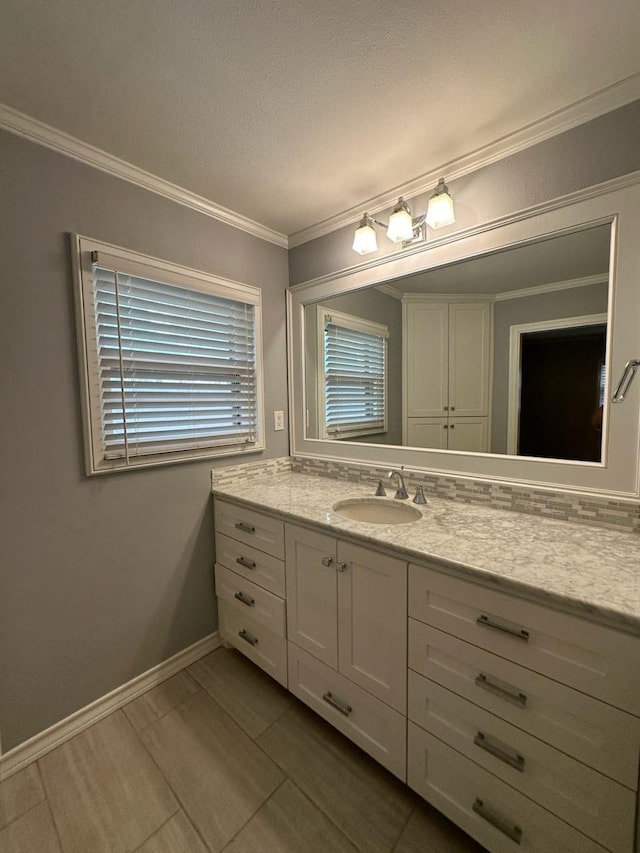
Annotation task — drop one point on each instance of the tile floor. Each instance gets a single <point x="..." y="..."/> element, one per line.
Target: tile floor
<point x="217" y="758"/>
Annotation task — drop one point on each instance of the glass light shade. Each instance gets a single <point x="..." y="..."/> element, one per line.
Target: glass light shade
<point x="364" y="240"/>
<point x="400" y="226"/>
<point x="440" y="211"/>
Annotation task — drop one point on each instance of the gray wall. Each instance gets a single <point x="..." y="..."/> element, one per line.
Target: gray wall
<point x="531" y="309"/>
<point x="601" y="149"/>
<point x="370" y="304"/>
<point x="100" y="578"/>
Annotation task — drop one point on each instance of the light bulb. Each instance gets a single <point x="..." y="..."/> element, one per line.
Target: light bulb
<point x="440" y="209"/>
<point x="400" y="223"/>
<point x="364" y="240"/>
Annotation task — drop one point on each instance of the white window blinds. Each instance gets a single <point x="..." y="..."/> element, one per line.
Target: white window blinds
<point x="172" y="370"/>
<point x="354" y="361"/>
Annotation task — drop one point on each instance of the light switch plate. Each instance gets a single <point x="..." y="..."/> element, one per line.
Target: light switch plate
<point x="278" y="421"/>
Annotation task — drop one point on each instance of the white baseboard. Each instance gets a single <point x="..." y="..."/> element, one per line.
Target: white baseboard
<point x="59" y="732"/>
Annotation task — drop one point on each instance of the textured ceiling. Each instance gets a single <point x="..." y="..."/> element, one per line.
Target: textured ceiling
<point x="290" y="111"/>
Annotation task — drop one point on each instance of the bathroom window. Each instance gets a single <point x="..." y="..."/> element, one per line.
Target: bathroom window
<point x="353" y="375"/>
<point x="170" y="361"/>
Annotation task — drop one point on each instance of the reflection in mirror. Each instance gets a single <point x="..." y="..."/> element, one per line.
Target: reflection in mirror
<point x="503" y="353"/>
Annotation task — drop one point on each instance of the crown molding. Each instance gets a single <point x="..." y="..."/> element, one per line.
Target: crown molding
<point x="612" y="97"/>
<point x="43" y="134"/>
<point x="568" y="284"/>
<point x="389" y="290"/>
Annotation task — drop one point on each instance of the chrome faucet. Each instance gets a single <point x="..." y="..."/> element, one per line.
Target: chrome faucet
<point x="401" y="493"/>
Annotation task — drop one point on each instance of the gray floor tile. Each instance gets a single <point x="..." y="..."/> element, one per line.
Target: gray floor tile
<point x="220" y="776"/>
<point x="158" y="701"/>
<point x="245" y="692"/>
<point x="176" y="836"/>
<point x="33" y="832"/>
<point x="19" y="793"/>
<point x="368" y="804"/>
<point x="105" y="792"/>
<point x="289" y="823"/>
<point x="430" y="830"/>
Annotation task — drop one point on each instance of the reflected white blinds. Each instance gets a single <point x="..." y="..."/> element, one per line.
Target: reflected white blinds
<point x="354" y="378"/>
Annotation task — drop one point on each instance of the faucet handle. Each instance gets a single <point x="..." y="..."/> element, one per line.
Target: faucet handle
<point x="380" y="492"/>
<point x="419" y="498"/>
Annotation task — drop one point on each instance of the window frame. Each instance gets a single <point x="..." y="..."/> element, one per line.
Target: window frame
<point x="136" y="263"/>
<point x="359" y="324"/>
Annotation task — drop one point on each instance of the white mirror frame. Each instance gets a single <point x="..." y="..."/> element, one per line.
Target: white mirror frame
<point x="617" y="202"/>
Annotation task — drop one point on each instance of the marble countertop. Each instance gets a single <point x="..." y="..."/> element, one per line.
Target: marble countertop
<point x="588" y="571"/>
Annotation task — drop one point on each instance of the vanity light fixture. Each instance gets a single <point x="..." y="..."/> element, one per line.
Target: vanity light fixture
<point x="403" y="227"/>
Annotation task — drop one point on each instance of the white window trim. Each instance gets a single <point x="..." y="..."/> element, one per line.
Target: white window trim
<point x="360" y="325"/>
<point x="135" y="263"/>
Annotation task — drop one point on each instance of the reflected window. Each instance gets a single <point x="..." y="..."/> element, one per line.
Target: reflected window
<point x="353" y="375"/>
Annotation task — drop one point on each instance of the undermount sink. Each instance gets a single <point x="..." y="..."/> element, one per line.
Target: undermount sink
<point x="377" y="511"/>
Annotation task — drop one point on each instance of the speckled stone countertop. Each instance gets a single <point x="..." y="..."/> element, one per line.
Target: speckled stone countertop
<point x="587" y="571"/>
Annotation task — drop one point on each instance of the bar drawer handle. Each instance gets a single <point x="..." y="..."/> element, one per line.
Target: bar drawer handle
<point x="511" y="695"/>
<point x="248" y="564"/>
<point x="626" y="380"/>
<point x="511" y="830"/>
<point x="247" y="637"/>
<point x="336" y="703"/>
<point x="246" y="528"/>
<point x="512" y="630"/>
<point x="244" y="599"/>
<point x="513" y="759"/>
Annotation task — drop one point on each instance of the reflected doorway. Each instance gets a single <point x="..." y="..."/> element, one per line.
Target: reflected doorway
<point x="560" y="390"/>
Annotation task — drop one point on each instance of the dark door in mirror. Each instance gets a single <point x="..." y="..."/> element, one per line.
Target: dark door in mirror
<point x="562" y="393"/>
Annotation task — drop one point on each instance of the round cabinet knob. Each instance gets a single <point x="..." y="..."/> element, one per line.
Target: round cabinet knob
<point x="453" y="426"/>
<point x="340" y="566"/>
<point x="326" y="561"/>
<point x="444" y="426"/>
<point x="446" y="408"/>
<point x="453" y="408"/>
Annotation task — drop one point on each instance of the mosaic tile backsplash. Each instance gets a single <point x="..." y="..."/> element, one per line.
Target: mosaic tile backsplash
<point x="617" y="514"/>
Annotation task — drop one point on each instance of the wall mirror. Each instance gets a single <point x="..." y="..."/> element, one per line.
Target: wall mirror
<point x="491" y="354"/>
<point x="502" y="353"/>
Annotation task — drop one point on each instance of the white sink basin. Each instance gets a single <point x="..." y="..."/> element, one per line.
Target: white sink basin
<point x="377" y="511"/>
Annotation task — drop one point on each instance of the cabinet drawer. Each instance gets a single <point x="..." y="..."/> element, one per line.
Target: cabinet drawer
<point x="592" y="803"/>
<point x="262" y="646"/>
<point x="250" y="527"/>
<point x="489" y="810"/>
<point x="255" y="565"/>
<point x="591" y="731"/>
<point x="368" y="722"/>
<point x="592" y="658"/>
<point x="260" y="605"/>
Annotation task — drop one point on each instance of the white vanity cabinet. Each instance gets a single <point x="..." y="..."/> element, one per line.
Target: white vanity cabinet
<point x="250" y="585"/>
<point x="346" y="615"/>
<point x="524" y="722"/>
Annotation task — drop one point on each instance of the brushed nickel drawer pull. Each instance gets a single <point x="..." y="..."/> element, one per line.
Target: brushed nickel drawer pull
<point x="243" y="561"/>
<point x="511" y="830"/>
<point x="246" y="528"/>
<point x="513" y="759"/>
<point x="511" y="695"/>
<point x="506" y="627"/>
<point x="241" y="596"/>
<point x="247" y="637"/>
<point x="326" y="561"/>
<point x="336" y="703"/>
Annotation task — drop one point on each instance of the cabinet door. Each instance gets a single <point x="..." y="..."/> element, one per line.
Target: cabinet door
<point x="469" y="358"/>
<point x="427" y="432"/>
<point x="468" y="434"/>
<point x="426" y="355"/>
<point x="372" y="623"/>
<point x="312" y="593"/>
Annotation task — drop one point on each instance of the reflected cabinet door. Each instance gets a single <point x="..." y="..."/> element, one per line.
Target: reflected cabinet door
<point x="426" y="356"/>
<point x="469" y="354"/>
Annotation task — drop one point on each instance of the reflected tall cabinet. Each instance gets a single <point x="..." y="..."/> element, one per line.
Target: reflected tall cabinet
<point x="447" y="356"/>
